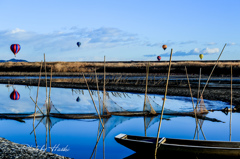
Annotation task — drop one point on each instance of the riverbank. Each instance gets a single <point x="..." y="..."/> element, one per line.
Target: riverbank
<point x="129" y="76"/>
<point x="157" y="67"/>
<point x="176" y="87"/>
<point x="11" y="150"/>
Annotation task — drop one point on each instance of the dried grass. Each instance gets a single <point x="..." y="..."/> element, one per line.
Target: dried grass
<point x="90" y="66"/>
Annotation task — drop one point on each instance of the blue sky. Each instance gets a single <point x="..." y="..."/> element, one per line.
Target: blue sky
<point x="120" y="29"/>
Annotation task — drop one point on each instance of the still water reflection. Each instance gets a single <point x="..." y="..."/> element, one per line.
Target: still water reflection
<point x="64" y="100"/>
<point x="77" y="138"/>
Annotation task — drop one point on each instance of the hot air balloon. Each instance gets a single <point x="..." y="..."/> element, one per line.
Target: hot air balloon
<point x="15" y="95"/>
<point x="78" y="99"/>
<point x="201" y="56"/>
<point x="164" y="47"/>
<point x="15" y="48"/>
<point x="78" y="44"/>
<point x="159" y="58"/>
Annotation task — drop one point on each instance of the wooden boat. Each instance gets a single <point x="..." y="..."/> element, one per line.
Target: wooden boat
<point x="146" y="145"/>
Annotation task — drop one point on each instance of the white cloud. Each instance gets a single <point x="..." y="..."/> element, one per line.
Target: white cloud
<point x="188" y="42"/>
<point x="63" y="42"/>
<point x="231" y="43"/>
<point x="159" y="44"/>
<point x="211" y="43"/>
<point x="196" y="50"/>
<point x="17" y="30"/>
<point x="108" y="36"/>
<point x="210" y="51"/>
<point x="101" y="37"/>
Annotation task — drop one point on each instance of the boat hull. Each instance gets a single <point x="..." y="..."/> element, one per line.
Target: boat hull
<point x="198" y="147"/>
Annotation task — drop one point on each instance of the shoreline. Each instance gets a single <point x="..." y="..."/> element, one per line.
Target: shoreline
<point x="9" y="149"/>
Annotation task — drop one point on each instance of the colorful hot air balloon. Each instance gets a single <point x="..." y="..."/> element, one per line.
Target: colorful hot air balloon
<point x="15" y="95"/>
<point x="201" y="56"/>
<point x="78" y="44"/>
<point x="159" y="58"/>
<point x="15" y="48"/>
<point x="164" y="47"/>
<point x="78" y="99"/>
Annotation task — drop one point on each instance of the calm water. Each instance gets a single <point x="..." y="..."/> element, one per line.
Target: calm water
<point x="77" y="138"/>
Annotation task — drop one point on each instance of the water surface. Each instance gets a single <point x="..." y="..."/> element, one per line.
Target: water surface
<point x="77" y="138"/>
